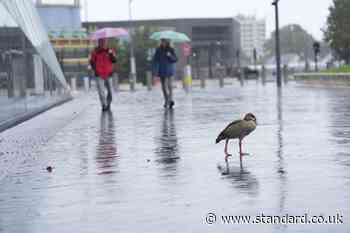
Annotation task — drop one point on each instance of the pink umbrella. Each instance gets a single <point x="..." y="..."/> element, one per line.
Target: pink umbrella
<point x="109" y="33"/>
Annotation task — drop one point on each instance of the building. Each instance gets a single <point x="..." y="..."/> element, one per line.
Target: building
<point x="253" y="36"/>
<point x="31" y="79"/>
<point x="72" y="50"/>
<point x="69" y="39"/>
<point x="60" y="14"/>
<point x="214" y="40"/>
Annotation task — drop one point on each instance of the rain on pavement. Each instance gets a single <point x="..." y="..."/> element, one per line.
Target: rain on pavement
<point x="141" y="168"/>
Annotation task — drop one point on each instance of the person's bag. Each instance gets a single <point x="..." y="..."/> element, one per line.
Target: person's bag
<point x="172" y="57"/>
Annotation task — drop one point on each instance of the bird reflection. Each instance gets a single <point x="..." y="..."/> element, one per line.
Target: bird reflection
<point x="167" y="151"/>
<point x="107" y="148"/>
<point x="240" y="178"/>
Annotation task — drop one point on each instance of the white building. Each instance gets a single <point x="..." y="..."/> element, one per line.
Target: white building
<point x="60" y="14"/>
<point x="253" y="35"/>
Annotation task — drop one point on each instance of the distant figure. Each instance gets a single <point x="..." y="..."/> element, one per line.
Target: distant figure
<point x="237" y="129"/>
<point x="164" y="67"/>
<point x="101" y="61"/>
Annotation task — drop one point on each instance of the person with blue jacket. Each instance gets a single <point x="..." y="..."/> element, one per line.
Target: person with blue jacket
<point x="164" y="67"/>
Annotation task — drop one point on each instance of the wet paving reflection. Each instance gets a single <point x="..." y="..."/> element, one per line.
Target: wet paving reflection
<point x="106" y="156"/>
<point x="142" y="168"/>
<point x="167" y="150"/>
<point x="240" y="178"/>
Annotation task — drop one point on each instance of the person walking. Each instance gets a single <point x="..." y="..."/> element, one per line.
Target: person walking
<point x="101" y="62"/>
<point x="164" y="67"/>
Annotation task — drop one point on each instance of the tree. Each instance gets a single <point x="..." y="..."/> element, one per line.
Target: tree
<point x="294" y="39"/>
<point x="337" y="32"/>
<point x="142" y="44"/>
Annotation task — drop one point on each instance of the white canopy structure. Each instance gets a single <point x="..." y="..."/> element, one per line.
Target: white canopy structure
<point x="23" y="14"/>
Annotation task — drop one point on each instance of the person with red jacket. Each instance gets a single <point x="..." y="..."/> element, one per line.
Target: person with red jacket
<point x="101" y="62"/>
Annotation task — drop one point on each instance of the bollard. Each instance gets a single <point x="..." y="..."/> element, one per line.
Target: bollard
<point x="241" y="77"/>
<point x="73" y="83"/>
<point x="263" y="75"/>
<point x="187" y="78"/>
<point x="86" y="83"/>
<point x="132" y="78"/>
<point x="202" y="81"/>
<point x="221" y="79"/>
<point x="116" y="82"/>
<point x="149" y="80"/>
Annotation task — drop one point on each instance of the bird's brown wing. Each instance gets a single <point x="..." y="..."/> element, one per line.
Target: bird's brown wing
<point x="229" y="131"/>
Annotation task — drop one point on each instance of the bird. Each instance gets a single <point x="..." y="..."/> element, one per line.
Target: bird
<point x="238" y="129"/>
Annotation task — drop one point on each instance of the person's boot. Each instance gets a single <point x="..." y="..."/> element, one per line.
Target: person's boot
<point x="105" y="108"/>
<point x="171" y="104"/>
<point x="165" y="104"/>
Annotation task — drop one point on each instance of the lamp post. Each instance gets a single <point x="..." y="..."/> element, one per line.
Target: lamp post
<point x="132" y="53"/>
<point x="218" y="43"/>
<point x="255" y="58"/>
<point x="278" y="51"/>
<point x="210" y="54"/>
<point x="316" y="47"/>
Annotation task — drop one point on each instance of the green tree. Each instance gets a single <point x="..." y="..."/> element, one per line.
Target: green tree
<point x="293" y="39"/>
<point x="142" y="44"/>
<point x="337" y="32"/>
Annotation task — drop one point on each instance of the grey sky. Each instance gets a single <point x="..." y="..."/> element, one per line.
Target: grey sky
<point x="311" y="14"/>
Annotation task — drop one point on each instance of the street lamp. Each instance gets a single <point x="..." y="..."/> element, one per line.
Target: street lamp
<point x="317" y="50"/>
<point x="255" y="57"/>
<point x="278" y="51"/>
<point x="218" y="43"/>
<point x="132" y="53"/>
<point x="210" y="54"/>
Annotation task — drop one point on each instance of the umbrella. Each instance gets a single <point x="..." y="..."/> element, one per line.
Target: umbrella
<point x="109" y="33"/>
<point x="176" y="37"/>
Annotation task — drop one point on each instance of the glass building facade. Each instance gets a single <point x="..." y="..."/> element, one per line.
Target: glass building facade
<point x="31" y="79"/>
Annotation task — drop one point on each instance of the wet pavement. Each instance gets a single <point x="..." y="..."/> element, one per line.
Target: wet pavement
<point x="141" y="168"/>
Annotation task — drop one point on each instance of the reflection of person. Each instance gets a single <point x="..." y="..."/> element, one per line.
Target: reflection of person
<point x="164" y="67"/>
<point x="101" y="61"/>
<point x="106" y="148"/>
<point x="168" y="143"/>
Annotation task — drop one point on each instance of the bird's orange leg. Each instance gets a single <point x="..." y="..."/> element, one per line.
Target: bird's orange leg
<point x="226" y="153"/>
<point x="241" y="153"/>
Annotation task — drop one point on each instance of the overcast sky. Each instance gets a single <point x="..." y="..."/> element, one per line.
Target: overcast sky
<point x="311" y="14"/>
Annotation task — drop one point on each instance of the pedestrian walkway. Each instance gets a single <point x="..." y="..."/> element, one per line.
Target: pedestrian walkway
<point x="142" y="168"/>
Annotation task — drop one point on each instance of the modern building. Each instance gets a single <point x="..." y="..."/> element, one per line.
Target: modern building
<point x="31" y="79"/>
<point x="69" y="39"/>
<point x="72" y="50"/>
<point x="60" y="14"/>
<point x="253" y="36"/>
<point x="214" y="40"/>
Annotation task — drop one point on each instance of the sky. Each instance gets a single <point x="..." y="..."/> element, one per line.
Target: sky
<point x="310" y="14"/>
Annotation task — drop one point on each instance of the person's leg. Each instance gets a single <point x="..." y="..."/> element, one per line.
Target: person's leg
<point x="109" y="93"/>
<point x="170" y="88"/>
<point x="101" y="91"/>
<point x="165" y="94"/>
